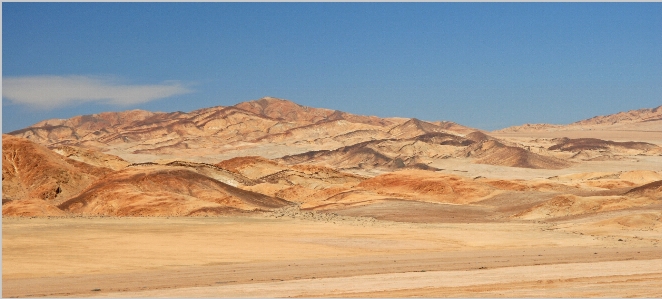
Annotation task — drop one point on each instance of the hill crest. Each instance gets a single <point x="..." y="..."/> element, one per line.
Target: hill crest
<point x="620" y="118"/>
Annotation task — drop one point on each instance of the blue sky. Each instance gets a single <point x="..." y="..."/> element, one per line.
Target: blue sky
<point x="485" y="65"/>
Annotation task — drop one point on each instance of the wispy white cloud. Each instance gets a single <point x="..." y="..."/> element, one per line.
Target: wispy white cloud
<point x="47" y="92"/>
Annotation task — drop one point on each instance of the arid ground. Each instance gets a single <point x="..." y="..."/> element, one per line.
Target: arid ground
<point x="265" y="257"/>
<point x="268" y="198"/>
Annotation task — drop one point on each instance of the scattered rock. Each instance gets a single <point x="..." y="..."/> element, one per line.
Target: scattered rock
<point x="294" y="212"/>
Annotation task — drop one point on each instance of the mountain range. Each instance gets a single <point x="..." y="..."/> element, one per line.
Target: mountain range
<point x="271" y="153"/>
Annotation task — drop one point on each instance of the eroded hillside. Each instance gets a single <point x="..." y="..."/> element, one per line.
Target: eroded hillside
<point x="271" y="154"/>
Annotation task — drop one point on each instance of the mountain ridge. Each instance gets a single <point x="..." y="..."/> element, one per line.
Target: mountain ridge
<point x="137" y="133"/>
<point x="272" y="154"/>
<point x="298" y="134"/>
<point x="620" y="118"/>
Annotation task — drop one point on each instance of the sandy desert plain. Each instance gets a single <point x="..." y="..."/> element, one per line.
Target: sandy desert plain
<point x="268" y="198"/>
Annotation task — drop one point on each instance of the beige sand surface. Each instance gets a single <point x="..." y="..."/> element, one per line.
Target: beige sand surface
<point x="384" y="283"/>
<point x="170" y="256"/>
<point x="464" y="168"/>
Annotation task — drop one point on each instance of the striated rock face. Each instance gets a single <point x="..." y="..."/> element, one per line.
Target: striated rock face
<point x="30" y="170"/>
<point x="91" y="157"/>
<point x="426" y="186"/>
<point x="297" y="183"/>
<point x="414" y="152"/>
<point x="413" y="128"/>
<point x="496" y="153"/>
<point x="84" y="127"/>
<point x="136" y="134"/>
<point x="386" y="153"/>
<point x="244" y="164"/>
<point x="285" y="110"/>
<point x="38" y="181"/>
<point x="277" y="158"/>
<point x="296" y="133"/>
<point x="165" y="191"/>
<point x="245" y="122"/>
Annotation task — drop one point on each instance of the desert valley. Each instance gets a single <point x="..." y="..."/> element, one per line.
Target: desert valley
<point x="269" y="198"/>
